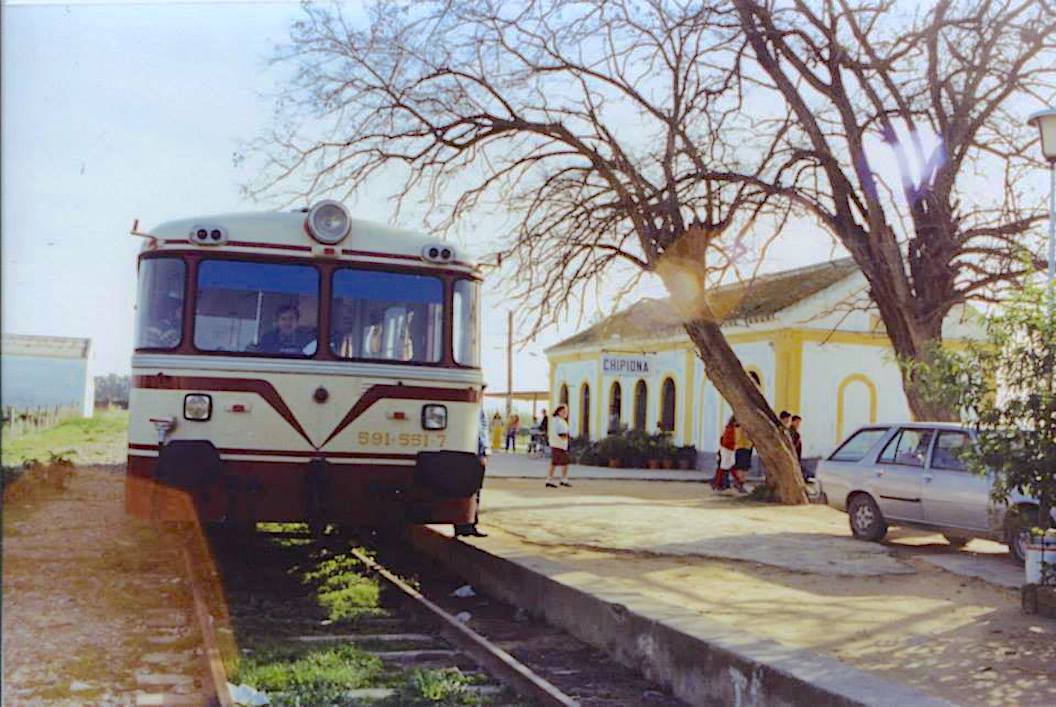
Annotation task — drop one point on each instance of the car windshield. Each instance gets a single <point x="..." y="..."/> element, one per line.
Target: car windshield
<point x="255" y="307"/>
<point x="159" y="321"/>
<point x="387" y="315"/>
<point x="858" y="445"/>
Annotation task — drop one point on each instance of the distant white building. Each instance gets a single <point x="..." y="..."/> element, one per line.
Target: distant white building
<point x="46" y="372"/>
<point x="815" y="356"/>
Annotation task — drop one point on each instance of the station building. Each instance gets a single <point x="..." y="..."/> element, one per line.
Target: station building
<point x="815" y="341"/>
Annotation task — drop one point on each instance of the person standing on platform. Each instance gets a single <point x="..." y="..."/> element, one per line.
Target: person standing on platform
<point x="496" y="431"/>
<point x="544" y="431"/>
<point x="511" y="432"/>
<point x="727" y="442"/>
<point x="742" y="458"/>
<point x="797" y="442"/>
<point x="471" y="529"/>
<point x="559" y="438"/>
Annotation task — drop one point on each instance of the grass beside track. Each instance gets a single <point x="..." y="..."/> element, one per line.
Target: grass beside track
<point x="100" y="439"/>
<point x="279" y="588"/>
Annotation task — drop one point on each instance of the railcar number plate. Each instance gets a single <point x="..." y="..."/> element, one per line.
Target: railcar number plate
<point x="422" y="440"/>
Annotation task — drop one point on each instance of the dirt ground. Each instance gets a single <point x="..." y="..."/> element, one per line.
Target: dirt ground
<point x="791" y="574"/>
<point x="96" y="607"/>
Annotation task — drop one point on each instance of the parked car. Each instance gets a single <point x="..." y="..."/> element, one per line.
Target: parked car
<point x="913" y="474"/>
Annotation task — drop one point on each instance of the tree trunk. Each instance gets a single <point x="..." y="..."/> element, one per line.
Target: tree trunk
<point x="725" y="371"/>
<point x="911" y="339"/>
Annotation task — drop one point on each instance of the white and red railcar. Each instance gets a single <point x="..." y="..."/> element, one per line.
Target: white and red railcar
<point x="304" y="366"/>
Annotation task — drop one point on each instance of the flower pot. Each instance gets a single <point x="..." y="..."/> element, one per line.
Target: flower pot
<point x="668" y="464"/>
<point x="614" y="463"/>
<point x="653" y="463"/>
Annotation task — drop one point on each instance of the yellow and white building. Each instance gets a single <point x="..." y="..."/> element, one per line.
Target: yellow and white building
<point x="811" y="336"/>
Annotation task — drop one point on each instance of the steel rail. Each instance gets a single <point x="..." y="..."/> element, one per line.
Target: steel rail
<point x="212" y="657"/>
<point x="489" y="656"/>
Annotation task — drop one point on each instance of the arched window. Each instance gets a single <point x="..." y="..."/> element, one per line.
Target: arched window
<point x="562" y="396"/>
<point x="667" y="406"/>
<point x="641" y="400"/>
<point x="584" y="411"/>
<point x="615" y="407"/>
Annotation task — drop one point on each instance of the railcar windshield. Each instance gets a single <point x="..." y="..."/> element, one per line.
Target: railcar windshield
<point x="256" y="307"/>
<point x="159" y="320"/>
<point x="465" y="315"/>
<point x="387" y="315"/>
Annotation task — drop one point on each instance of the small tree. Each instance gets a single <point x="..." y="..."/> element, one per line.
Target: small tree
<point x="1006" y="389"/>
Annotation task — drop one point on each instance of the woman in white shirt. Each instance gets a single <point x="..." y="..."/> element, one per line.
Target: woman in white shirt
<point x="557" y="433"/>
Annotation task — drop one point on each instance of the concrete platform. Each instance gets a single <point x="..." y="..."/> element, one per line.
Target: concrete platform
<point x="740" y="603"/>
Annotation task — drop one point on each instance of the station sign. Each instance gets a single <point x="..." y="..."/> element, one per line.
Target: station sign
<point x="627" y="365"/>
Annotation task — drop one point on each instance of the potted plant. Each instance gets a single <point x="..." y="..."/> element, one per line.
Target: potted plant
<point x="612" y="450"/>
<point x="667" y="453"/>
<point x="687" y="457"/>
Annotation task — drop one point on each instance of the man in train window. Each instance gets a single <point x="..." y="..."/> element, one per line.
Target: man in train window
<point x="288" y="337"/>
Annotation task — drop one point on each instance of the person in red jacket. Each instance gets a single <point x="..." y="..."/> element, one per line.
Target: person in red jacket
<point x="727" y="444"/>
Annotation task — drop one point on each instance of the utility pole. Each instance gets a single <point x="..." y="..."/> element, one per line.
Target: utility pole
<point x="509" y="364"/>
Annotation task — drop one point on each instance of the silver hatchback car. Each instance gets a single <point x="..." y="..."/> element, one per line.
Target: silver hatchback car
<point x="912" y="474"/>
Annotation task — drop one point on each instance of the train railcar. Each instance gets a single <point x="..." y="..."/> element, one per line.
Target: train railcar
<point x="304" y="366"/>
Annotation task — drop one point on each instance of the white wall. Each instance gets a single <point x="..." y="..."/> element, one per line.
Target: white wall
<point x="825" y="367"/>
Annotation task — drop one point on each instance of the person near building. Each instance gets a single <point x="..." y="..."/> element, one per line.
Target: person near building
<point x="496" y="430"/>
<point x="727" y="443"/>
<point x="533" y="437"/>
<point x="559" y="437"/>
<point x="512" y="426"/>
<point x="786" y="421"/>
<point x="483" y="450"/>
<point x="797" y="442"/>
<point x="544" y="429"/>
<point x="742" y="457"/>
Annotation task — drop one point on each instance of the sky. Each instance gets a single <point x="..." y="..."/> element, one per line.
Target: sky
<point x="122" y="111"/>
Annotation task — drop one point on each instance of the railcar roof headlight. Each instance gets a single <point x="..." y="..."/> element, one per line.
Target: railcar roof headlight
<point x="197" y="406"/>
<point x="328" y="222"/>
<point x="434" y="417"/>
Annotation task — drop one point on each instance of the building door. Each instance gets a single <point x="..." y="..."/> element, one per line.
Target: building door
<point x="584" y="411"/>
<point x="615" y="407"/>
<point x="667" y="406"/>
<point x="641" y="399"/>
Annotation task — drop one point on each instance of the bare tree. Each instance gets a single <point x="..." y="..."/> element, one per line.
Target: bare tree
<point x="594" y="125"/>
<point x="908" y="143"/>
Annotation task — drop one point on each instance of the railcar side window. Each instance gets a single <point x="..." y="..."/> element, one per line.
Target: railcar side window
<point x="387" y="315"/>
<point x="467" y="307"/>
<point x="256" y="307"/>
<point x="159" y="321"/>
<point x="858" y="445"/>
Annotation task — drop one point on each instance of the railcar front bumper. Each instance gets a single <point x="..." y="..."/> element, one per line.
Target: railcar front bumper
<point x="189" y="478"/>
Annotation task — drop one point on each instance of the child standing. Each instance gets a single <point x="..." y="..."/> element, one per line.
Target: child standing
<point x="727" y="443"/>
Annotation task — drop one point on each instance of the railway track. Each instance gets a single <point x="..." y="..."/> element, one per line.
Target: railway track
<point x="331" y="623"/>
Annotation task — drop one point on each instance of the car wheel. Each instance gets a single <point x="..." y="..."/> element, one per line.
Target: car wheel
<point x="955" y="542"/>
<point x="867" y="522"/>
<point x="1018" y="521"/>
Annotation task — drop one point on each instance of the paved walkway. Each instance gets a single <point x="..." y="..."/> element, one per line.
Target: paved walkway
<point x="520" y="466"/>
<point x="675" y="551"/>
